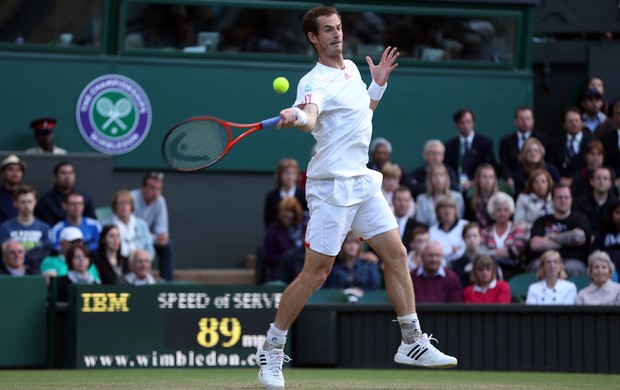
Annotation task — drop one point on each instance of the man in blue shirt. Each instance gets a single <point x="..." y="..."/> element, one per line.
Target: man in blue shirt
<point x="31" y="232"/>
<point x="74" y="210"/>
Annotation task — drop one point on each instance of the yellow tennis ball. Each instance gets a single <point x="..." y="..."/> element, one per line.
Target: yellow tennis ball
<point x="280" y="85"/>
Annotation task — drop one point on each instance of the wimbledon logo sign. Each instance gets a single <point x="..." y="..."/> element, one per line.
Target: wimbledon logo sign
<point x="113" y="114"/>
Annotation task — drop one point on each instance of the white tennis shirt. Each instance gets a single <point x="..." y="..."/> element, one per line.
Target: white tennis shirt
<point x="337" y="172"/>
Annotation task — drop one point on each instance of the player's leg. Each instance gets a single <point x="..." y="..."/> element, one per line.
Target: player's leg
<point x="324" y="235"/>
<point x="317" y="267"/>
<point x="376" y="218"/>
<point x="398" y="284"/>
<point x="270" y="355"/>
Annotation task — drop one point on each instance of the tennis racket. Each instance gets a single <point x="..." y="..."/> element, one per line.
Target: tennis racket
<point x="197" y="143"/>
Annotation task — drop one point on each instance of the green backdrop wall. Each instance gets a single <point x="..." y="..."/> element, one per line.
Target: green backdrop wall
<point x="418" y="105"/>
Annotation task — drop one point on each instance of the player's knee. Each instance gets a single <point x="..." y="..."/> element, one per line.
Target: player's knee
<point x="316" y="277"/>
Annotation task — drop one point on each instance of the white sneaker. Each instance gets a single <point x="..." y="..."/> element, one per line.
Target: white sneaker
<point x="270" y="362"/>
<point x="423" y="354"/>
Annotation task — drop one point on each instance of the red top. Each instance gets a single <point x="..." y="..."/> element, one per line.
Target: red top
<point x="499" y="294"/>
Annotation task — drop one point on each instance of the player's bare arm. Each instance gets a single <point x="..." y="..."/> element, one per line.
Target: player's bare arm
<point x="290" y="117"/>
<point x="381" y="72"/>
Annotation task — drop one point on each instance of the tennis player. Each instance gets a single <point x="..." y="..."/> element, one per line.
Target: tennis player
<point x="334" y="104"/>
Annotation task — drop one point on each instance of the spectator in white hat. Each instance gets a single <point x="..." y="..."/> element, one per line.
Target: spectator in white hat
<point x="57" y="265"/>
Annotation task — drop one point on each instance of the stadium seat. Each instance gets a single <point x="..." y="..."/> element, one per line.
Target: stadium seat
<point x="103" y="213"/>
<point x="328" y="295"/>
<point x="375" y="296"/>
<point x="581" y="281"/>
<point x="276" y="283"/>
<point x="519" y="285"/>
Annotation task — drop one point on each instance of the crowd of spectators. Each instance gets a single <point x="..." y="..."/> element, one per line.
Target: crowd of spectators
<point x="545" y="206"/>
<point x="58" y="235"/>
<point x="471" y="222"/>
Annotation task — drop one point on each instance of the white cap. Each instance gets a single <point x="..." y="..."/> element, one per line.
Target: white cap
<point x="71" y="233"/>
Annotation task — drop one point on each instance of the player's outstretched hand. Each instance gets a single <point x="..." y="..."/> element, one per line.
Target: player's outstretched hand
<point x="381" y="72"/>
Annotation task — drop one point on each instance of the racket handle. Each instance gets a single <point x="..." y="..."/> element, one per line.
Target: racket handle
<point x="270" y="122"/>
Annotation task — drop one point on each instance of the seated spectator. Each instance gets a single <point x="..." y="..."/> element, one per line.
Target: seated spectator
<point x="44" y="135"/>
<point x="608" y="238"/>
<point x="108" y="259"/>
<point x="565" y="230"/>
<point x="594" y="154"/>
<point x="597" y="82"/>
<point x="470" y="149"/>
<point x="419" y="239"/>
<point x="552" y="288"/>
<point x="49" y="207"/>
<point x="449" y="229"/>
<point x="79" y="261"/>
<point x="283" y="234"/>
<point x="567" y="149"/>
<point x="511" y="145"/>
<point x="595" y="203"/>
<point x="434" y="153"/>
<point x="483" y="187"/>
<point x="592" y="105"/>
<point x="437" y="184"/>
<point x="56" y="265"/>
<point x="535" y="201"/>
<point x="485" y="287"/>
<point x="291" y="264"/>
<point x="532" y="157"/>
<point x="505" y="240"/>
<point x="380" y="153"/>
<point x="433" y="282"/>
<point x="611" y="143"/>
<point x="402" y="206"/>
<point x="352" y="274"/>
<point x="151" y="206"/>
<point x="390" y="184"/>
<point x="12" y="172"/>
<point x="134" y="231"/>
<point x="286" y="177"/>
<point x="464" y="265"/>
<point x="73" y="205"/>
<point x="602" y="290"/>
<point x="14" y="260"/>
<point x="140" y="262"/>
<point x="25" y="228"/>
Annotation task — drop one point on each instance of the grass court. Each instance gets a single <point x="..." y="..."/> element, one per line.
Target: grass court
<point x="301" y="379"/>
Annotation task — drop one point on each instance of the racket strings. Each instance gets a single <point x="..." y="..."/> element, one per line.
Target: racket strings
<point x="196" y="144"/>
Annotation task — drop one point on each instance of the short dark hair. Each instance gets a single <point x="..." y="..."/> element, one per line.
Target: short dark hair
<point x="568" y="109"/>
<point x="523" y="108"/>
<point x="152" y="175"/>
<point x="309" y="21"/>
<point x="461" y="113"/>
<point x="560" y="186"/>
<point x="24" y="189"/>
<point x="60" y="165"/>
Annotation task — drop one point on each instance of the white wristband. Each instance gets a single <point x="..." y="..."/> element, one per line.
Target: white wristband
<point x="301" y="117"/>
<point x="375" y="91"/>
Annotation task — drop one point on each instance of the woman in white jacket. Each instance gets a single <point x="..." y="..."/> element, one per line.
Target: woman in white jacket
<point x="552" y="288"/>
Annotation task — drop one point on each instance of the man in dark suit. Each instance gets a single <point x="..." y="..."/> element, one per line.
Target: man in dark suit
<point x="611" y="141"/>
<point x="510" y="145"/>
<point x="468" y="150"/>
<point x="567" y="151"/>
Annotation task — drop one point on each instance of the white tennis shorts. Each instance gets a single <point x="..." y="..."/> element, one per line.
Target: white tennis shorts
<point x="329" y="224"/>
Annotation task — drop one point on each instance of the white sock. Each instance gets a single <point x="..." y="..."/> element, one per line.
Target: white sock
<point x="409" y="327"/>
<point x="276" y="338"/>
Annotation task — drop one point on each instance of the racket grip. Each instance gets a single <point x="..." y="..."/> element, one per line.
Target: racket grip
<point x="270" y="122"/>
